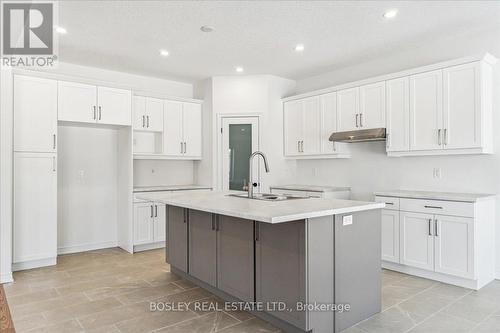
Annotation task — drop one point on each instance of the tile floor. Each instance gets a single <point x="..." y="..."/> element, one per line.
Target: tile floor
<point x="111" y="290"/>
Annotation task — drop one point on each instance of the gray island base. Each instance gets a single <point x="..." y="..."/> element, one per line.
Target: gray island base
<point x="308" y="265"/>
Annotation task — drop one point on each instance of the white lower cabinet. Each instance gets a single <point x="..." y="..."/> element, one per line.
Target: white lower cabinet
<point x="417" y="246"/>
<point x="149" y="223"/>
<point x="390" y="235"/>
<point x="35" y="210"/>
<point x="449" y="241"/>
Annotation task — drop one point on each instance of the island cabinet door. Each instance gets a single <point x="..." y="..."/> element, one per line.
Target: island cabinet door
<point x="177" y="238"/>
<point x="235" y="257"/>
<point x="202" y="246"/>
<point x="280" y="268"/>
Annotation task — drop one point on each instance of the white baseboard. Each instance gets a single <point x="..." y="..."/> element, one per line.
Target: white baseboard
<point x="6" y="278"/>
<point x="21" y="266"/>
<point x="151" y="246"/>
<point x="86" y="247"/>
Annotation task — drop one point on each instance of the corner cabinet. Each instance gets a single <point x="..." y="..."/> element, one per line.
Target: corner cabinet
<point x="308" y="124"/>
<point x="448" y="241"/>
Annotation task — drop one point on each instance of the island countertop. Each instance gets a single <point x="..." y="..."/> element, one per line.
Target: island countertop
<point x="260" y="210"/>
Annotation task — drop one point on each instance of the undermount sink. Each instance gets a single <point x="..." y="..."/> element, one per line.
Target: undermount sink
<point x="268" y="196"/>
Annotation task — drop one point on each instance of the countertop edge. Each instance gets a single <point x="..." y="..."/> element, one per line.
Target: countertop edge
<point x="437" y="196"/>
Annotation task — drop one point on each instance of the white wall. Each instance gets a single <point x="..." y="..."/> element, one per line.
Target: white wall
<point x="246" y="95"/>
<point x="371" y="170"/>
<point x="162" y="172"/>
<point x="87" y="188"/>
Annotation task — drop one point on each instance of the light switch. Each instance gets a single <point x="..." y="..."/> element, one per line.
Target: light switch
<point x="347" y="220"/>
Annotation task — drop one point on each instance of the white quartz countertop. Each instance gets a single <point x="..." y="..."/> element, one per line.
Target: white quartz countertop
<point x="259" y="210"/>
<point x="431" y="195"/>
<point x="170" y="188"/>
<point x="310" y="188"/>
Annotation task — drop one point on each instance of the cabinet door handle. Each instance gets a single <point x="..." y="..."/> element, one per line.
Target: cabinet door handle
<point x="181" y="148"/>
<point x="302" y="146"/>
<point x="185" y="215"/>
<point x="360" y="120"/>
<point x="357" y="115"/>
<point x="217" y="224"/>
<point x="445" y="135"/>
<point x="389" y="203"/>
<point x="433" y="207"/>
<point x="156" y="210"/>
<point x="147" y="118"/>
<point x="95" y="114"/>
<point x="185" y="147"/>
<point x="213" y="221"/>
<point x="53" y="163"/>
<point x="439" y="137"/>
<point x="54" y="141"/>
<point x="99" y="112"/>
<point x="430" y="228"/>
<point x="257" y="231"/>
<point x="143" y="121"/>
<point x="151" y="210"/>
<point x="436" y="228"/>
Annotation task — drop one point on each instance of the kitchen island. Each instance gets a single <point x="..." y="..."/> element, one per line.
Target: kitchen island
<point x="307" y="264"/>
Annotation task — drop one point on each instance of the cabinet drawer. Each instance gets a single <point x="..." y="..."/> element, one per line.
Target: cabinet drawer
<point x="438" y="207"/>
<point x="390" y="202"/>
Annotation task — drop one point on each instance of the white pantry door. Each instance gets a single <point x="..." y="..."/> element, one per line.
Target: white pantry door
<point x="172" y="129"/>
<point x="240" y="138"/>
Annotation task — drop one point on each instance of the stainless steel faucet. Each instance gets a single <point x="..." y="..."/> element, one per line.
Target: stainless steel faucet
<point x="250" y="178"/>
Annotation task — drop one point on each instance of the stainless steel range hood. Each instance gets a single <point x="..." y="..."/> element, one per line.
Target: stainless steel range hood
<point x="374" y="134"/>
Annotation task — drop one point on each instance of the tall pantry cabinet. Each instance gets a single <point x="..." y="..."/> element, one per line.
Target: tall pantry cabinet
<point x="35" y="172"/>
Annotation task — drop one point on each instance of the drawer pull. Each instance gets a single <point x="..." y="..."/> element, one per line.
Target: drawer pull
<point x="389" y="203"/>
<point x="430" y="229"/>
<point x="436" y="228"/>
<point x="435" y="207"/>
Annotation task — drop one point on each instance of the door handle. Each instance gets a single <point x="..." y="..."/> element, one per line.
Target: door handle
<point x="360" y="120"/>
<point x="99" y="112"/>
<point x="184" y="211"/>
<point x="181" y="148"/>
<point x="436" y="228"/>
<point x="439" y="137"/>
<point x="357" y="115"/>
<point x="433" y="207"/>
<point x="257" y="231"/>
<point x="151" y="210"/>
<point x="143" y="121"/>
<point x="147" y="118"/>
<point x="95" y="114"/>
<point x="445" y="136"/>
<point x="54" y="141"/>
<point x="156" y="210"/>
<point x="213" y="221"/>
<point x="217" y="224"/>
<point x="302" y="146"/>
<point x="53" y="163"/>
<point x="430" y="228"/>
<point x="185" y="147"/>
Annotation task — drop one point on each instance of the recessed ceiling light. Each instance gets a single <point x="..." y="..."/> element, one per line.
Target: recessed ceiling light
<point x="239" y="69"/>
<point x="299" y="47"/>
<point x="207" y="28"/>
<point x="60" y="30"/>
<point x="391" y="13"/>
<point x="164" y="53"/>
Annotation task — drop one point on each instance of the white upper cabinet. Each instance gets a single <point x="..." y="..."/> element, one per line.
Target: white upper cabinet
<point x="292" y="113"/>
<point x="462" y="119"/>
<point x="35" y="114"/>
<point x="328" y="121"/>
<point x="426" y="111"/>
<point x="182" y="134"/>
<point x="147" y="114"/>
<point x="348" y="110"/>
<point x="398" y="115"/>
<point x="372" y="105"/>
<point x="311" y="142"/>
<point x="172" y="136"/>
<point x="114" y="106"/>
<point x="192" y="129"/>
<point x="154" y="114"/>
<point x="77" y="102"/>
<point x="86" y="103"/>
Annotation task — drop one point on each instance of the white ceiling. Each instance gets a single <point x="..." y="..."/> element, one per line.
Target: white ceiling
<point x="257" y="35"/>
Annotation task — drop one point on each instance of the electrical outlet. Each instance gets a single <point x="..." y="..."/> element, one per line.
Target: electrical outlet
<point x="436" y="173"/>
<point x="347" y="220"/>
